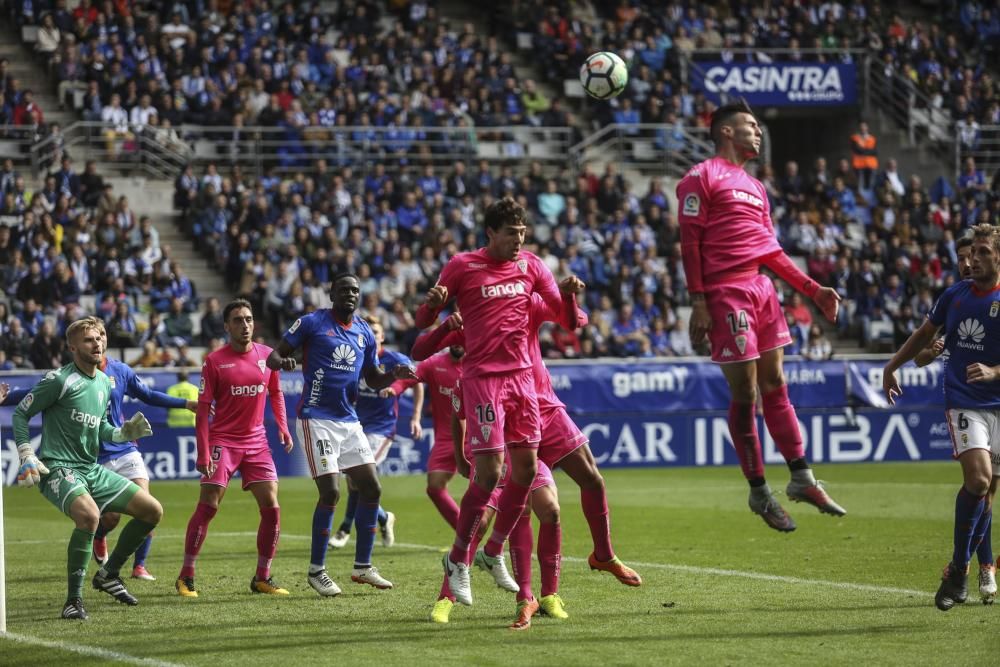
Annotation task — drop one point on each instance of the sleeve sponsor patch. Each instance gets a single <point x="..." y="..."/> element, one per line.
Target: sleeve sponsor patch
<point x="692" y="205"/>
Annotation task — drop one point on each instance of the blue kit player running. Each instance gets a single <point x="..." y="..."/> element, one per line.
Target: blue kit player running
<point x="338" y="349"/>
<point x="124" y="457"/>
<point x="969" y="312"/>
<point x="378" y="412"/>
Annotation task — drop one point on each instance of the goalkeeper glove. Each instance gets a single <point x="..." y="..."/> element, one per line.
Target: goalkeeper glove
<point x="31" y="470"/>
<point x="133" y="429"/>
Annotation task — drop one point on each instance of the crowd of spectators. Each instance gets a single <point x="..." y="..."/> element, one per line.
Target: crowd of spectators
<point x="951" y="58"/>
<point x="74" y="248"/>
<point x="146" y="68"/>
<point x="887" y="246"/>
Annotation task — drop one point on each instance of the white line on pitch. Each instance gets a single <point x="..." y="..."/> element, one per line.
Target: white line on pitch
<point x="91" y="651"/>
<point x="693" y="569"/>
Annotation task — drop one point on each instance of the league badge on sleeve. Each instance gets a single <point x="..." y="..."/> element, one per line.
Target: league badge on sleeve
<point x="361" y="341"/>
<point x="692" y="205"/>
<point x="994" y="308"/>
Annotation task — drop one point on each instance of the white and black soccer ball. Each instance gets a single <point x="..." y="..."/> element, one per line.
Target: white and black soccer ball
<point x="604" y="75"/>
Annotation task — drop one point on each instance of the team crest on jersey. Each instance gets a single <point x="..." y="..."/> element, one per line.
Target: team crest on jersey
<point x="361" y="341"/>
<point x="741" y="344"/>
<point x="262" y="365"/>
<point x="994" y="308"/>
<point x="522" y="265"/>
<point x="486" y="429"/>
<point x="692" y="205"/>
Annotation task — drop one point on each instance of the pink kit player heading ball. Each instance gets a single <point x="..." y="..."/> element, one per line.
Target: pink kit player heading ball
<point x="726" y="234"/>
<point x="492" y="287"/>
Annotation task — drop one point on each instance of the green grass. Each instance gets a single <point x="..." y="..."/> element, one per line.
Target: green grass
<point x="894" y="541"/>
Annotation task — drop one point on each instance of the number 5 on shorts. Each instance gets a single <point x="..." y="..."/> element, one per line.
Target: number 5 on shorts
<point x="216" y="453"/>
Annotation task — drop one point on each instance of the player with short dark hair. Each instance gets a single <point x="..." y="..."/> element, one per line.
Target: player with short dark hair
<point x="726" y="235"/>
<point x="969" y="313"/>
<point x="234" y="380"/>
<point x="339" y="349"/>
<point x="73" y="401"/>
<point x="492" y="288"/>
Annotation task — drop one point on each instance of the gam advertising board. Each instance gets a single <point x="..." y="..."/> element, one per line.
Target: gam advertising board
<point x="659" y="413"/>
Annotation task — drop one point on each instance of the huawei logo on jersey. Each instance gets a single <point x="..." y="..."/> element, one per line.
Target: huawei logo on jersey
<point x="971" y="328"/>
<point x="344" y="357"/>
<point x="748" y="198"/>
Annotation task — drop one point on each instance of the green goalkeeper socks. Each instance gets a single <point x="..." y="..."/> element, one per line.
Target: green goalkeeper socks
<point x="131" y="538"/>
<point x="77" y="557"/>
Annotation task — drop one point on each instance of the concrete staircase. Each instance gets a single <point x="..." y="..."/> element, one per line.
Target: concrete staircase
<point x="154" y="198"/>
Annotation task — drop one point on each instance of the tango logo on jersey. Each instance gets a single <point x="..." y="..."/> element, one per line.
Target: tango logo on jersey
<point x="508" y="290"/>
<point x="344" y="358"/>
<point x="971" y="328"/>
<point x="748" y="198"/>
<point x="246" y="390"/>
<point x="88" y="420"/>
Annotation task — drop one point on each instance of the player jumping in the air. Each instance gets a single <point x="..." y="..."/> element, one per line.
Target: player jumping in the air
<point x="237" y="380"/>
<point x="492" y="287"/>
<point x="726" y="235"/>
<point x="969" y="312"/>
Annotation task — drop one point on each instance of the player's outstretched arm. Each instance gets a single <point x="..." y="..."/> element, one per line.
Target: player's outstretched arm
<point x="448" y="334"/>
<point x="281" y="358"/>
<point x="428" y="311"/>
<point x="280" y="413"/>
<point x="917" y="341"/>
<point x="138" y="390"/>
<point x="929" y="353"/>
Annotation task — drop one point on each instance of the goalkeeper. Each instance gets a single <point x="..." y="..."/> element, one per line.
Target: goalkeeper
<point x="73" y="401"/>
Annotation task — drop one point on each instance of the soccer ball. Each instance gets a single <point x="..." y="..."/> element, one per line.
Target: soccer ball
<point x="604" y="75"/>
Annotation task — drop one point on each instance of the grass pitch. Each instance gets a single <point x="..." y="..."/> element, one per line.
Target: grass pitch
<point x="719" y="586"/>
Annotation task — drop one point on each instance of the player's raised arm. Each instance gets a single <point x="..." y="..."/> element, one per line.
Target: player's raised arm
<point x="917" y="341"/>
<point x="427" y="313"/>
<point x="447" y="334"/>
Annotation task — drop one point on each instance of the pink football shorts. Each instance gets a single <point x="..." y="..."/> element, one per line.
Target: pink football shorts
<point x="746" y="320"/>
<point x="255" y="465"/>
<point x="501" y="410"/>
<point x="560" y="436"/>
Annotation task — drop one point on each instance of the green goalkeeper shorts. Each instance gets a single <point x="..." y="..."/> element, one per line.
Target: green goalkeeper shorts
<point x="110" y="491"/>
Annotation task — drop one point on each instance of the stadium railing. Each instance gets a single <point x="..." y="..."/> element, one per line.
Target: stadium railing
<point x="985" y="150"/>
<point x="647" y="147"/>
<point x="256" y="149"/>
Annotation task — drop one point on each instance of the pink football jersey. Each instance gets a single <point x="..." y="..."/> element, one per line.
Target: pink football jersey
<point x="238" y="384"/>
<point x="441" y="373"/>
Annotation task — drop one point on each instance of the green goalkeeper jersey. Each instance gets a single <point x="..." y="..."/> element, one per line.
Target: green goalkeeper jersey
<point x="74" y="416"/>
